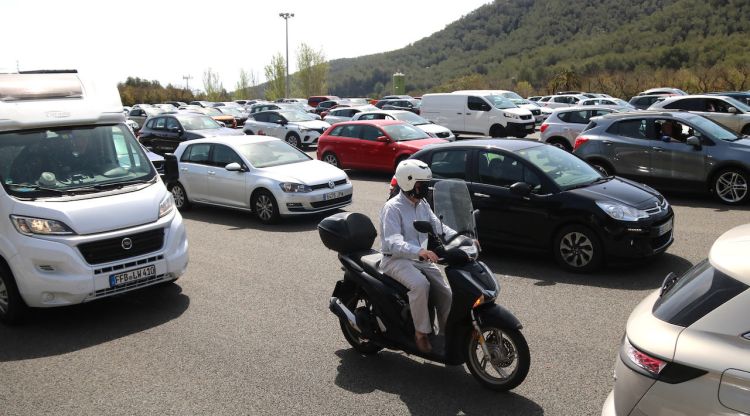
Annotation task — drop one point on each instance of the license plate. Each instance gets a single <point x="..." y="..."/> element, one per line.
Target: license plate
<point x="529" y="127"/>
<point x="333" y="195"/>
<point x="664" y="228"/>
<point x="131" y="276"/>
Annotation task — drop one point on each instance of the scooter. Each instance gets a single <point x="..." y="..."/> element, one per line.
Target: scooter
<point x="373" y="309"/>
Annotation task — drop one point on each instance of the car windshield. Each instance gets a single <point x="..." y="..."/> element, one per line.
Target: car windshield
<point x="404" y="132"/>
<point x="410" y="118"/>
<point x="48" y="163"/>
<point x="500" y="102"/>
<point x="296" y="116"/>
<point x="231" y="111"/>
<point x="152" y="111"/>
<point x="212" y="111"/>
<point x="713" y="129"/>
<point x="198" y="123"/>
<point x="271" y="153"/>
<point x="511" y="96"/>
<point x="565" y="169"/>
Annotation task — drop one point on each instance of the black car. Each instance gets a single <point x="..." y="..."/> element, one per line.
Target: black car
<point x="536" y="196"/>
<point x="163" y="133"/>
<point x="411" y="104"/>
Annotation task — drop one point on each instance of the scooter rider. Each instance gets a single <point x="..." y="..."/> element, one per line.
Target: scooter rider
<point x="403" y="247"/>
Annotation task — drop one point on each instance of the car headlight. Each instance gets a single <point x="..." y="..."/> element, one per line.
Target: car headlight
<point x="39" y="226"/>
<point x="294" y="187"/>
<point x="513" y="116"/>
<point x="621" y="212"/>
<point x="166" y="205"/>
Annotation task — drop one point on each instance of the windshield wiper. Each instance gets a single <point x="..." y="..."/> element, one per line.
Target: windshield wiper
<point x="595" y="181"/>
<point x="118" y="185"/>
<point x="38" y="188"/>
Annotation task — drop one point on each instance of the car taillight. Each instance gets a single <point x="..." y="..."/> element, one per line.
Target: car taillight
<point x="651" y="364"/>
<point x="544" y="127"/>
<point x="579" y="141"/>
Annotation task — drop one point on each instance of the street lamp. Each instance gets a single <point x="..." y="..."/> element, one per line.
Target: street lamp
<point x="286" y="17"/>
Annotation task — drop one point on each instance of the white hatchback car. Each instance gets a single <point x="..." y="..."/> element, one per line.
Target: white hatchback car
<point x="260" y="174"/>
<point x="298" y="128"/>
<point x="432" y="129"/>
<point x="686" y="349"/>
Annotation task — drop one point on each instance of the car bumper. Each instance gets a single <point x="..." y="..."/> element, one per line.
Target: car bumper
<point x="609" y="405"/>
<point x="520" y="129"/>
<point x="53" y="273"/>
<point x="638" y="240"/>
<point x="316" y="201"/>
<point x="310" y="137"/>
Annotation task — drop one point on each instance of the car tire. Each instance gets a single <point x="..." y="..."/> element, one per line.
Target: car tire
<point x="746" y="130"/>
<point x="180" y="197"/>
<point x="730" y="186"/>
<point x="265" y="207"/>
<point x="497" y="131"/>
<point x="577" y="249"/>
<point x="331" y="159"/>
<point x="12" y="307"/>
<point x="249" y="133"/>
<point x="294" y="140"/>
<point x="603" y="167"/>
<point x="561" y="143"/>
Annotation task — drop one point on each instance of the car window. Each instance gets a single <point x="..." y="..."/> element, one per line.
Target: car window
<point x="223" y="155"/>
<point x="597" y="113"/>
<point x="668" y="130"/>
<point x="336" y="131"/>
<point x="172" y="123"/>
<point x="197" y="153"/>
<point x="150" y="124"/>
<point x="159" y="123"/>
<point x="449" y="164"/>
<point x="689" y="104"/>
<point x="504" y="170"/>
<point x="577" y="117"/>
<point x="717" y="106"/>
<point x="367" y="117"/>
<point x="350" y="130"/>
<point x="370" y="133"/>
<point x="274" y="118"/>
<point x="261" y="117"/>
<point x="636" y="128"/>
<point x="698" y="292"/>
<point x="477" y="104"/>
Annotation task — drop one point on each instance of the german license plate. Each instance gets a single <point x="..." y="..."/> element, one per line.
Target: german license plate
<point x="118" y="279"/>
<point x="664" y="228"/>
<point x="529" y="127"/>
<point x="333" y="195"/>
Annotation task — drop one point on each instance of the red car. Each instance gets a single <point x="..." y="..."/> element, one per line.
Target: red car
<point x="372" y="144"/>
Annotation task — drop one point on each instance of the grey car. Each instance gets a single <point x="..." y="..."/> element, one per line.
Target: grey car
<point x="565" y="124"/>
<point x="686" y="349"/>
<point x="671" y="150"/>
<point x="724" y="110"/>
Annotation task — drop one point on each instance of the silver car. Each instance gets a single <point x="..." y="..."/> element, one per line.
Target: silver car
<point x="340" y="114"/>
<point x="432" y="129"/>
<point x="726" y="111"/>
<point x="609" y="102"/>
<point x="260" y="174"/>
<point x="686" y="349"/>
<point x="565" y="124"/>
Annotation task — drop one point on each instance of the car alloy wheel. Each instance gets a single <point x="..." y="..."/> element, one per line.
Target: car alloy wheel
<point x="330" y="158"/>
<point x="293" y="140"/>
<point x="180" y="197"/>
<point x="731" y="187"/>
<point x="265" y="207"/>
<point x="576" y="249"/>
<point x="4" y="298"/>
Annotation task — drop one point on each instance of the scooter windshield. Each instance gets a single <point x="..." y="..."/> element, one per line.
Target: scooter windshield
<point x="453" y="206"/>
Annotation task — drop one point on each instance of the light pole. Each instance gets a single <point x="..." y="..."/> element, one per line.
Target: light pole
<point x="286" y="17"/>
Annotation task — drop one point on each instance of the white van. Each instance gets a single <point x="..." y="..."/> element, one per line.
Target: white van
<point x="483" y="114"/>
<point x="83" y="213"/>
<point x="536" y="110"/>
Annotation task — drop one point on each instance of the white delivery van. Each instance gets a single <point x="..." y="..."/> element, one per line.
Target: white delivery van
<point x="483" y="114"/>
<point x="536" y="111"/>
<point x="83" y="213"/>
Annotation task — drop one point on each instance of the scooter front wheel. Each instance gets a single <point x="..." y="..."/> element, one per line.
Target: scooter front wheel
<point x="508" y="361"/>
<point x="354" y="338"/>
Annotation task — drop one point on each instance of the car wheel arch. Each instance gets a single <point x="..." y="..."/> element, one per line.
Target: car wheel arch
<point x="560" y="139"/>
<point x="601" y="161"/>
<point x="568" y="221"/>
<point x="715" y="170"/>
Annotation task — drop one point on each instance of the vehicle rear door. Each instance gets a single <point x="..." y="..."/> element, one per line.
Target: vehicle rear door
<point x="347" y="145"/>
<point x="276" y="126"/>
<point x="372" y="153"/>
<point x="627" y="146"/>
<point x="718" y="111"/>
<point x="226" y="187"/>
<point x="194" y="166"/>
<point x="477" y="115"/>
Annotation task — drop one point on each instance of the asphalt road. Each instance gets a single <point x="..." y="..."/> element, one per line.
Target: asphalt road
<point x="247" y="331"/>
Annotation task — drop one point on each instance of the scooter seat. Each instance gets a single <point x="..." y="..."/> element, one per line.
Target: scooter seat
<point x="370" y="261"/>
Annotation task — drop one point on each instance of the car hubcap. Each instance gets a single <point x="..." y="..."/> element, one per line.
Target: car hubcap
<point x="576" y="249"/>
<point x="264" y="207"/>
<point x="602" y="170"/>
<point x="292" y="140"/>
<point x="3" y="297"/>
<point x="499" y="365"/>
<point x="332" y="160"/>
<point x="731" y="187"/>
<point x="178" y="195"/>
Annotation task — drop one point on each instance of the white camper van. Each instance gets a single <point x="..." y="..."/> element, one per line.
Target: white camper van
<point x="83" y="212"/>
<point x="483" y="114"/>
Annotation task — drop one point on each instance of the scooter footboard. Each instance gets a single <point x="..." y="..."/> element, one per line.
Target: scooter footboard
<point x="344" y="289"/>
<point x="495" y="314"/>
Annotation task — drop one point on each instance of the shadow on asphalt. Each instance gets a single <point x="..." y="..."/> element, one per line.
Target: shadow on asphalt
<point x="241" y="220"/>
<point x="56" y="331"/>
<point x="426" y="388"/>
<point x="644" y="274"/>
<point x="368" y="176"/>
<point x="701" y="201"/>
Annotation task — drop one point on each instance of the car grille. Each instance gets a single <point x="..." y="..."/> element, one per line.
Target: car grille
<point x="443" y="134"/>
<point x="104" y="251"/>
<point x="525" y="117"/>
<point x="658" y="208"/>
<point x="331" y="202"/>
<point x="661" y="240"/>
<point x="325" y="185"/>
<point x="536" y="112"/>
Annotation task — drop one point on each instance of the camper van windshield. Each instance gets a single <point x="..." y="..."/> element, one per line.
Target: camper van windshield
<point x="64" y="161"/>
<point x="500" y="102"/>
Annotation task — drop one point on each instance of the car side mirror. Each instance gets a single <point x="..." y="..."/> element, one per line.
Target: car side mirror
<point x="520" y="189"/>
<point x="383" y="139"/>
<point x="171" y="171"/>
<point x="732" y="110"/>
<point x="175" y="130"/>
<point x="423" y="227"/>
<point x="233" y="167"/>
<point x="693" y="141"/>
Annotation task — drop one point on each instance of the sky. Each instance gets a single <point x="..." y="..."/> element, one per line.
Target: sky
<point x="167" y="40"/>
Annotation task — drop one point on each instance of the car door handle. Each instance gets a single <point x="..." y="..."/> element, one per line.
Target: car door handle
<point x="480" y="195"/>
<point x="460" y="113"/>
<point x="657" y="148"/>
<point x="607" y="142"/>
<point x="183" y="169"/>
<point x="211" y="172"/>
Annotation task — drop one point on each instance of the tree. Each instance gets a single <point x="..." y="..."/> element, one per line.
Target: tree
<point x="212" y="85"/>
<point x="524" y="89"/>
<point x="242" y="89"/>
<point x="275" y="77"/>
<point x="312" y="72"/>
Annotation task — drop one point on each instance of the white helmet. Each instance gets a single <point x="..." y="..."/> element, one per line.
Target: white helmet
<point x="411" y="171"/>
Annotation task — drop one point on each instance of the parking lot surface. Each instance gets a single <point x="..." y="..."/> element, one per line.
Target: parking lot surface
<point x="247" y="330"/>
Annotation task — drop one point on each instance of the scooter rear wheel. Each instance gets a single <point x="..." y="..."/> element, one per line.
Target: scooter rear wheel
<point x="354" y="338"/>
<point x="509" y="360"/>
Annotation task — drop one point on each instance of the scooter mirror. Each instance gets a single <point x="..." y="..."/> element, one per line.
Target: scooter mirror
<point x="423" y="227"/>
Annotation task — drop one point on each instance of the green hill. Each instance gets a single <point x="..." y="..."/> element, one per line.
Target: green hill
<point x="604" y="45"/>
